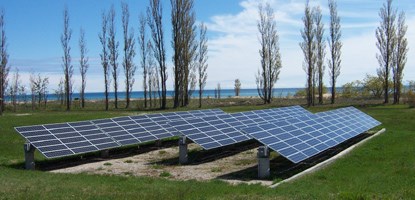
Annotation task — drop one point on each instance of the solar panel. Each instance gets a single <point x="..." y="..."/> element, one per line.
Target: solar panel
<point x="212" y="131"/>
<point x="257" y="117"/>
<point x="64" y="139"/>
<point x="303" y="137"/>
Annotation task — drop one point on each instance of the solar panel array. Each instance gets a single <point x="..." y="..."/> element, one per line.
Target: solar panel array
<point x="211" y="132"/>
<point x="64" y="139"/>
<point x="222" y="130"/>
<point x="303" y="137"/>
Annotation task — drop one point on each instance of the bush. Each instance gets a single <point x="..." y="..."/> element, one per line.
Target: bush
<point x="411" y="99"/>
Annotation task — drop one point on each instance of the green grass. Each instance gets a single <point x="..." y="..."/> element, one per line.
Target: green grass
<point x="382" y="168"/>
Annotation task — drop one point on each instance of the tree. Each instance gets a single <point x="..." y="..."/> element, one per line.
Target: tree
<point x="104" y="56"/>
<point x="4" y="58"/>
<point x="386" y="43"/>
<point x="67" y="67"/>
<point x="218" y="90"/>
<point x="202" y="64"/>
<point x="83" y="64"/>
<point x="184" y="45"/>
<point x="113" y="52"/>
<point x="400" y="56"/>
<point x="269" y="53"/>
<point x="155" y="16"/>
<point x="335" y="46"/>
<point x="129" y="53"/>
<point x="144" y="52"/>
<point x="320" y="52"/>
<point x="14" y="88"/>
<point x="237" y="87"/>
<point x="308" y="47"/>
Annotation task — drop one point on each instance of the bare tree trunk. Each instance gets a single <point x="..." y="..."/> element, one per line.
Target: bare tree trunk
<point x="104" y="56"/>
<point x="113" y="52"/>
<point x="83" y="65"/>
<point x="67" y="67"/>
<point x="154" y="13"/>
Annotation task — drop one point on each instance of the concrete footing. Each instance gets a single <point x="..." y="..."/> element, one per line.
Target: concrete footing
<point x="263" y="162"/>
<point x="29" y="155"/>
<point x="183" y="159"/>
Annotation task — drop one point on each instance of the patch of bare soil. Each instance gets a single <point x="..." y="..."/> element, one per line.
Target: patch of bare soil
<point x="164" y="163"/>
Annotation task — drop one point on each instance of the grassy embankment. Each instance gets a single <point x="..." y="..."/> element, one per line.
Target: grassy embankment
<point x="382" y="168"/>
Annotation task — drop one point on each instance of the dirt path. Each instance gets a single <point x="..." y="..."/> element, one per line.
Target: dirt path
<point x="163" y="163"/>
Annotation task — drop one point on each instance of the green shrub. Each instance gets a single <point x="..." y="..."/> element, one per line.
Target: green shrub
<point x="411" y="99"/>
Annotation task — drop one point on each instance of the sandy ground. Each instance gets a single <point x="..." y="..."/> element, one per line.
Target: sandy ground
<point x="163" y="163"/>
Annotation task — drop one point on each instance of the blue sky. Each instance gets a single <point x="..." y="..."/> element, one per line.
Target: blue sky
<point x="33" y="29"/>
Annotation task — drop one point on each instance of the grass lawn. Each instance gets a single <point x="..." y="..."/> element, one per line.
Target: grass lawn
<point x="382" y="168"/>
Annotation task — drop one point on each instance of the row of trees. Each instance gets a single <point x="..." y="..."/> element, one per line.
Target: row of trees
<point x="190" y="54"/>
<point x="314" y="50"/>
<point x="393" y="48"/>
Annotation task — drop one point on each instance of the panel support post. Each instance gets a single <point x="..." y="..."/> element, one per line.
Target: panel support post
<point x="263" y="162"/>
<point x="183" y="150"/>
<point x="105" y="153"/>
<point x="29" y="156"/>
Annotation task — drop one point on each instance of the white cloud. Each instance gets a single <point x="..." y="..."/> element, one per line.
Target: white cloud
<point x="234" y="44"/>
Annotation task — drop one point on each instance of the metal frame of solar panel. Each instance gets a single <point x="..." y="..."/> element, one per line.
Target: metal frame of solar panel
<point x="303" y="137"/>
<point x="65" y="139"/>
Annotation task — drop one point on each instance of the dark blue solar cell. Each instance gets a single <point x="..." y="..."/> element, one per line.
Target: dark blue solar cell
<point x="46" y="143"/>
<point x="41" y="138"/>
<point x="197" y="136"/>
<point x="107" y="125"/>
<point x="85" y="149"/>
<point x="267" y="126"/>
<point x="234" y="134"/>
<point x="285" y="136"/>
<point x="304" y="137"/>
<point x="79" y="144"/>
<point x="55" y="154"/>
<point x="222" y="126"/>
<point x="229" y="130"/>
<point x="164" y="135"/>
<point x="72" y="140"/>
<point x="214" y="132"/>
<point x="293" y="141"/>
<point x="137" y="130"/>
<point x="281" y="123"/>
<point x="30" y="128"/>
<point x="313" y="142"/>
<point x="276" y="131"/>
<point x="102" y="141"/>
<point x="270" y="140"/>
<point x="288" y="128"/>
<point x="67" y="135"/>
<point x="153" y="128"/>
<point x="323" y="138"/>
<point x="259" y="135"/>
<point x="35" y="133"/>
<point x="85" y="128"/>
<point x="127" y="127"/>
<point x="253" y="129"/>
<point x="107" y="145"/>
<point x="310" y="152"/>
<point x="207" y="129"/>
<point x="301" y="146"/>
<point x="226" y="142"/>
<point x="184" y="127"/>
<point x="278" y="145"/>
<point x="102" y="121"/>
<point x="203" y="140"/>
<point x="52" y="148"/>
<point x="90" y="132"/>
<point x="211" y="145"/>
<point x="240" y="138"/>
<point x="219" y="137"/>
<point x="120" y="119"/>
<point x="125" y="123"/>
<point x="53" y="126"/>
<point x="84" y="123"/>
<point x="112" y="129"/>
<point x="128" y="141"/>
<point x="287" y="151"/>
<point x="297" y="157"/>
<point x="118" y="133"/>
<point x="331" y="143"/>
<point x="321" y="147"/>
<point x="190" y="131"/>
